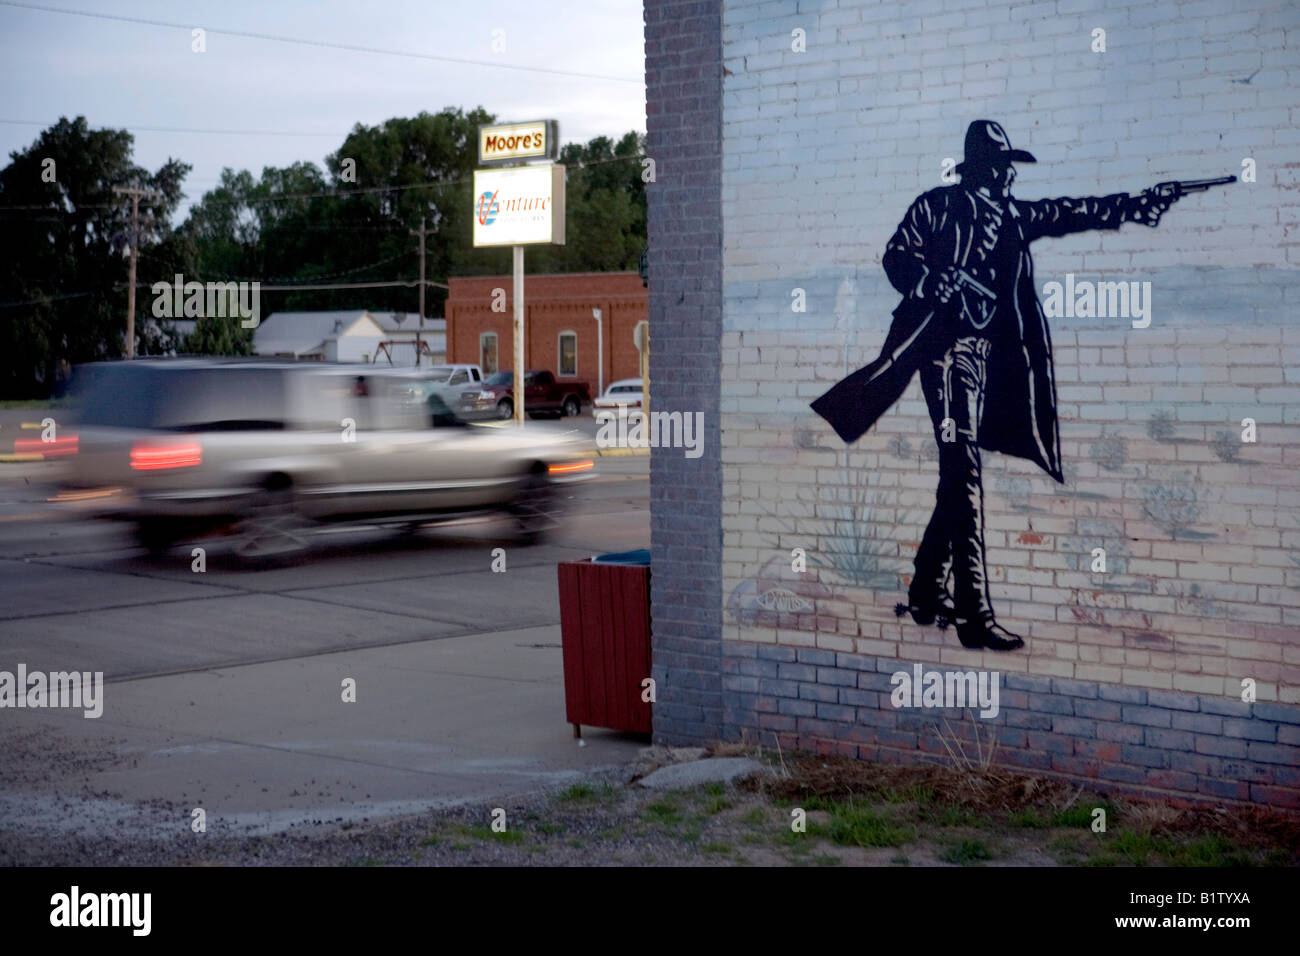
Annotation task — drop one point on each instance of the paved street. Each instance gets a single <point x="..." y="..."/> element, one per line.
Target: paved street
<point x="223" y="688"/>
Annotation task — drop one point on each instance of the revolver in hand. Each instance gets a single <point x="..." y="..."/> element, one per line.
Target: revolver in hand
<point x="1148" y="206"/>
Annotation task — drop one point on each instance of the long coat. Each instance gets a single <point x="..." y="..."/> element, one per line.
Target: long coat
<point x="1020" y="401"/>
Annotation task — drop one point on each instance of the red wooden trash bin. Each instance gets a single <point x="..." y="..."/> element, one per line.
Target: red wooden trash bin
<point x="605" y="634"/>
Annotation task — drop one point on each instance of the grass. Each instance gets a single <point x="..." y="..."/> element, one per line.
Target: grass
<point x="487" y="833"/>
<point x="1027" y="819"/>
<point x="1139" y="848"/>
<point x="458" y="833"/>
<point x="913" y="793"/>
<point x="754" y="817"/>
<point x="937" y="814"/>
<point x="715" y="805"/>
<point x="951" y="816"/>
<point x="587" y="793"/>
<point x="666" y="811"/>
<point x="1081" y="816"/>
<point x="966" y="853"/>
<point x="853" y="824"/>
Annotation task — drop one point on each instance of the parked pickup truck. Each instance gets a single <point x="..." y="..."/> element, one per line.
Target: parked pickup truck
<point x="544" y="394"/>
<point x="458" y="387"/>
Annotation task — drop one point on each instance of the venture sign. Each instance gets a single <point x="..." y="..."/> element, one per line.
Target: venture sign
<point x="519" y="206"/>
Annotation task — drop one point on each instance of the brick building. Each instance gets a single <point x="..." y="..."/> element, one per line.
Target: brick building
<point x="560" y="331"/>
<point x="790" y="142"/>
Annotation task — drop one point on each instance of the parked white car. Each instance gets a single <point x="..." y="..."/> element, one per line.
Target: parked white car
<point x="621" y="399"/>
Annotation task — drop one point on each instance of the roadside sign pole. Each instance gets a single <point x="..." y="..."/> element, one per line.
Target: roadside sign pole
<point x="519" y="335"/>
<point x="645" y="379"/>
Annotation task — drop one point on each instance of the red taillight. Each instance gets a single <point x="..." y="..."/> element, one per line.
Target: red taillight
<point x="157" y="457"/>
<point x="67" y="445"/>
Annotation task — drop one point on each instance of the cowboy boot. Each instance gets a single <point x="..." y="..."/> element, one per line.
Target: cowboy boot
<point x="928" y="598"/>
<point x="985" y="632"/>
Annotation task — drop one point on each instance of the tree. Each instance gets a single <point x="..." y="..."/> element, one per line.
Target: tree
<point x="605" y="198"/>
<point x="218" y="336"/>
<point x="64" y="233"/>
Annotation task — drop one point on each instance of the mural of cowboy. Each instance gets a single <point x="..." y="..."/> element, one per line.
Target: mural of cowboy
<point x="971" y="324"/>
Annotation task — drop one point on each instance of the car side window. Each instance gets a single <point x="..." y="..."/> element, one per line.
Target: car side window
<point x="460" y="378"/>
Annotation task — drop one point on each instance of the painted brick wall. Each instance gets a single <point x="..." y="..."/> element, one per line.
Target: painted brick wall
<point x="1133" y="675"/>
<point x="683" y="46"/>
<point x="552" y="304"/>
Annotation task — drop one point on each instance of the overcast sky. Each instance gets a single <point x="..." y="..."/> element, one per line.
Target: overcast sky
<point x="132" y="75"/>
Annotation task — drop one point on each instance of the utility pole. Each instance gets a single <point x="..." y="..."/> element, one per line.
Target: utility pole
<point x="135" y="192"/>
<point x="419" y="335"/>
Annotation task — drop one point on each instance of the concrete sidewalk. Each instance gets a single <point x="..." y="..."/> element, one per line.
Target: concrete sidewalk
<point x="454" y="720"/>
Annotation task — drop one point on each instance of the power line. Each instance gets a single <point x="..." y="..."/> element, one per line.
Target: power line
<point x="45" y="299"/>
<point x="351" y="47"/>
<point x="300" y="287"/>
<point x="188" y="129"/>
<point x="335" y="193"/>
<point x="327" y="275"/>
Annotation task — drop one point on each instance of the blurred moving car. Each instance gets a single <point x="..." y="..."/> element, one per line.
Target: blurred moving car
<point x="269" y="452"/>
<point x="622" y="398"/>
<point x="544" y="394"/>
<point x="450" y="390"/>
<point x="460" y="387"/>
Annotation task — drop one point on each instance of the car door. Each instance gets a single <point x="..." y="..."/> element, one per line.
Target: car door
<point x="408" y="467"/>
<point x="537" y="396"/>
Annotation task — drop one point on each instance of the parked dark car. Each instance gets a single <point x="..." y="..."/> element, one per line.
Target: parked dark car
<point x="544" y="394"/>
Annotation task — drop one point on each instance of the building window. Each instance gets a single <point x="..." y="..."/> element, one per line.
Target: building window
<point x="487" y="352"/>
<point x="568" y="363"/>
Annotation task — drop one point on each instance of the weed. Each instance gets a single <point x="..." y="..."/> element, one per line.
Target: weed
<point x="855" y="825"/>
<point x="966" y="853"/>
<point x="665" y="811"/>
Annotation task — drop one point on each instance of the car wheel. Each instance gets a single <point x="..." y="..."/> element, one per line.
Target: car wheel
<point x="572" y="407"/>
<point x="505" y="409"/>
<point x="273" y="530"/>
<point x="534" y="509"/>
<point x="156" y="536"/>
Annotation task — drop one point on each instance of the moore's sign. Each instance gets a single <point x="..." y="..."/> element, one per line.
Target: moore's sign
<point x="517" y="141"/>
<point x="518" y="206"/>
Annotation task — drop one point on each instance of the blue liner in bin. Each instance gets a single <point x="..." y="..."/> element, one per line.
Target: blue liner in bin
<point x="641" y="557"/>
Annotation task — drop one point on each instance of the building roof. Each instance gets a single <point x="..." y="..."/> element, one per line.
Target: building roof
<point x="407" y="322"/>
<point x="298" y="333"/>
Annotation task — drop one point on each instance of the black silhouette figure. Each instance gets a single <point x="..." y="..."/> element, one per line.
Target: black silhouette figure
<point x="971" y="324"/>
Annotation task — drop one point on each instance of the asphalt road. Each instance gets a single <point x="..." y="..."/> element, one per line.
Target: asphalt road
<point x="222" y="688"/>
